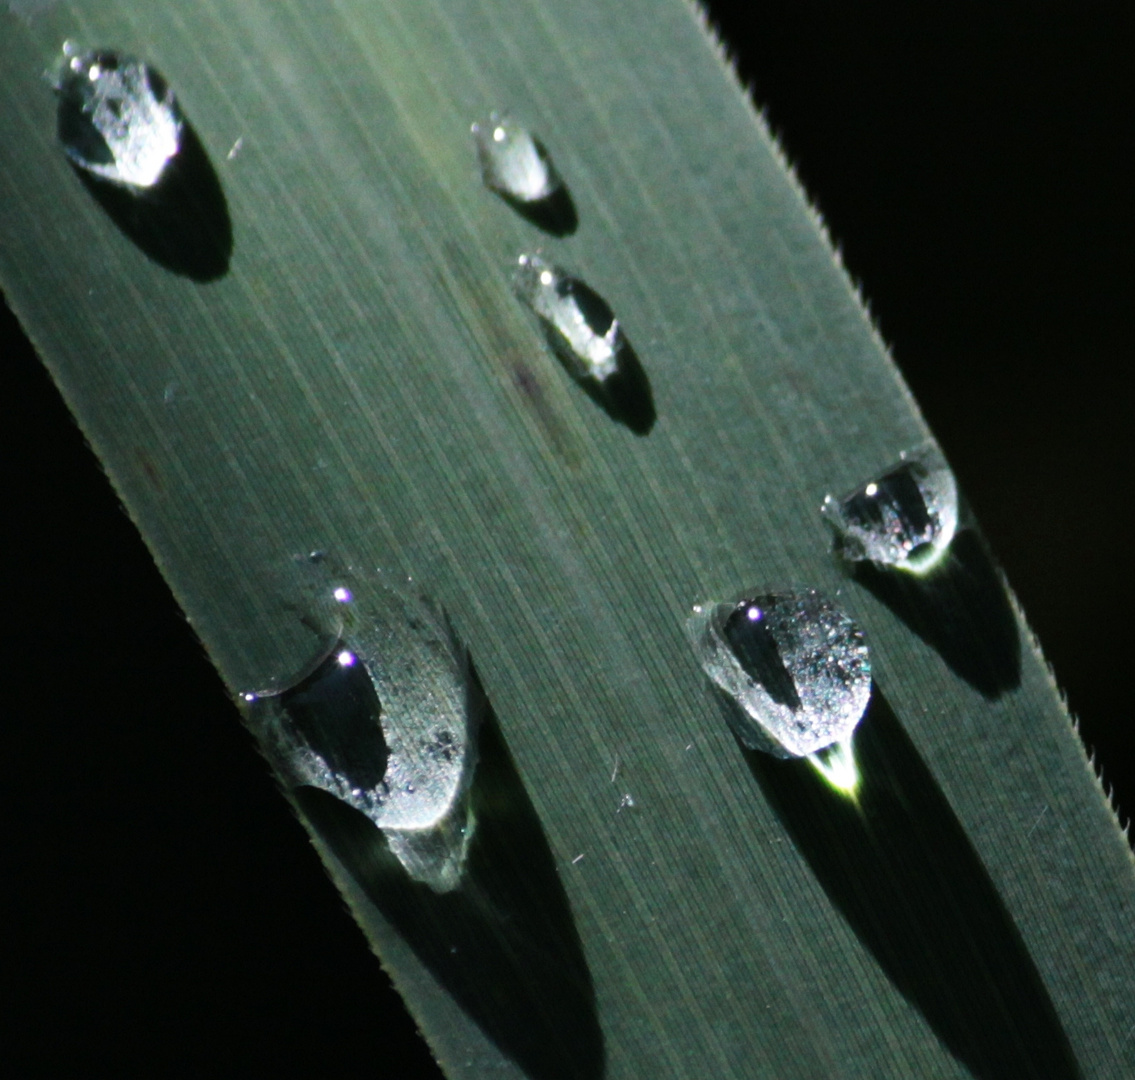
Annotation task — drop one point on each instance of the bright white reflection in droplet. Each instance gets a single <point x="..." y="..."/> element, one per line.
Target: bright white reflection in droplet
<point x="580" y="326"/>
<point x="117" y="118"/>
<point x="342" y="595"/>
<point x="514" y="162"/>
<point x="346" y="658"/>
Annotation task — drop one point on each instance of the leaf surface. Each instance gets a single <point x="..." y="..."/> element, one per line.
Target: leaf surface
<point x="360" y="380"/>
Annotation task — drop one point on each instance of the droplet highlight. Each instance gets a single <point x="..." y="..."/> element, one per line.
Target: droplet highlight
<point x="588" y="340"/>
<point x="795" y="667"/>
<point x="383" y="721"/>
<point x="903" y="519"/>
<point x="117" y="119"/>
<point x="517" y="167"/>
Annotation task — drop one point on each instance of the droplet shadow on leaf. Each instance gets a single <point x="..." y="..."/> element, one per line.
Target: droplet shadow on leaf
<point x="960" y="609"/>
<point x="182" y="222"/>
<point x="555" y="214"/>
<point x="503" y="943"/>
<point x="900" y="869"/>
<point x="625" y="396"/>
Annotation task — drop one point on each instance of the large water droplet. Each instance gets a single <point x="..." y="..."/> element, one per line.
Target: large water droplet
<point x="905" y="518"/>
<point x="384" y="722"/>
<point x="796" y="667"/>
<point x="585" y="336"/>
<point x="117" y="119"/>
<point x="516" y="165"/>
<point x="141" y="160"/>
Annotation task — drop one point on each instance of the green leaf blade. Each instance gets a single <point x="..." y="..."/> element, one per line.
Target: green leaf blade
<point x="363" y="382"/>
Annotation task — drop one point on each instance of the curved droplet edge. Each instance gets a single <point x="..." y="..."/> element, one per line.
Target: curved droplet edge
<point x="553" y="182"/>
<point x="849" y="549"/>
<point x="734" y="684"/>
<point x="432" y="853"/>
<point x="738" y="689"/>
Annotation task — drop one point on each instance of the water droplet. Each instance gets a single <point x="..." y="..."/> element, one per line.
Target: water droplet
<point x="366" y="723"/>
<point x="517" y="166"/>
<point x="906" y="518"/>
<point x="117" y="118"/>
<point x="795" y="665"/>
<point x="582" y="331"/>
<point x="126" y="138"/>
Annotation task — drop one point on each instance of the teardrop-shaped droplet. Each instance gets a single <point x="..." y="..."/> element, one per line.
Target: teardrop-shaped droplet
<point x="384" y="722"/>
<point x="117" y="119"/>
<point x="795" y="665"/>
<point x="585" y="336"/>
<point x="517" y="166"/>
<point x="904" y="518"/>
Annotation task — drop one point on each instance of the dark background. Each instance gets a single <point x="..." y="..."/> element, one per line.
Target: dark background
<point x="973" y="162"/>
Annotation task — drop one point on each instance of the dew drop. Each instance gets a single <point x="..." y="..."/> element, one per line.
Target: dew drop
<point x="796" y="667"/>
<point x="366" y="722"/>
<point x="117" y="119"/>
<point x="516" y="165"/>
<point x="137" y="155"/>
<point x="905" y="518"/>
<point x="582" y="331"/>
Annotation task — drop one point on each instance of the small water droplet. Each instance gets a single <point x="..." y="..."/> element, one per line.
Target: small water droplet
<point x="117" y="118"/>
<point x="795" y="665"/>
<point x="904" y="519"/>
<point x="517" y="166"/>
<point x="342" y="595"/>
<point x="365" y="724"/>
<point x="587" y="339"/>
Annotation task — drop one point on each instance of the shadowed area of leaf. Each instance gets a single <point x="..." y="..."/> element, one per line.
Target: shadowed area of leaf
<point x="504" y="944"/>
<point x="625" y="396"/>
<point x="182" y="222"/>
<point x="555" y="214"/>
<point x="961" y="610"/>
<point x="901" y="870"/>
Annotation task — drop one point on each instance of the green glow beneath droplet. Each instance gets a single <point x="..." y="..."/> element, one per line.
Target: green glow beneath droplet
<point x="836" y="764"/>
<point x="929" y="560"/>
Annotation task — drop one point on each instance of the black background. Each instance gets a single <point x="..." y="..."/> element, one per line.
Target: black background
<point x="973" y="163"/>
